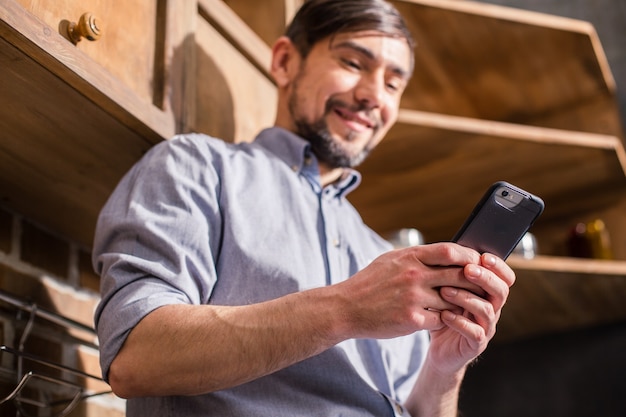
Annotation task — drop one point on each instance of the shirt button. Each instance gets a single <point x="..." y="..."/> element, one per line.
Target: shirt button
<point x="294" y="168"/>
<point x="336" y="243"/>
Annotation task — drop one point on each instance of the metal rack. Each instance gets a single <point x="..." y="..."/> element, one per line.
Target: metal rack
<point x="31" y="381"/>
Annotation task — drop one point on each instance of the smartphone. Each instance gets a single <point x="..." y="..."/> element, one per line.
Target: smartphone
<point x="500" y="220"/>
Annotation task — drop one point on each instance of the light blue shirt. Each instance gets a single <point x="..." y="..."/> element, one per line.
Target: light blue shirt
<point x="202" y="221"/>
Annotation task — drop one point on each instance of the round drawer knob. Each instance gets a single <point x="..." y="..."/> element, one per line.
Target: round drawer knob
<point x="87" y="27"/>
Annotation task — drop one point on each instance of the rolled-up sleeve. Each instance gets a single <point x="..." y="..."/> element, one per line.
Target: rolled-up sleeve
<point x="155" y="241"/>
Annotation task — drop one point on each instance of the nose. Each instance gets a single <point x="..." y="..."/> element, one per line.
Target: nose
<point x="370" y="91"/>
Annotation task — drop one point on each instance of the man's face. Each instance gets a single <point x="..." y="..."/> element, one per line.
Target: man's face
<point x="347" y="94"/>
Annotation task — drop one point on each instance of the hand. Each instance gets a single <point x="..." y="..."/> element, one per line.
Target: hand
<point x="472" y="324"/>
<point x="399" y="292"/>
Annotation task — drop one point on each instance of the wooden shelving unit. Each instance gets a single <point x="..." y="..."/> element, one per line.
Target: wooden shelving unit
<point x="502" y="64"/>
<point x="503" y="94"/>
<point x="432" y="168"/>
<point x="520" y="96"/>
<point x="576" y="173"/>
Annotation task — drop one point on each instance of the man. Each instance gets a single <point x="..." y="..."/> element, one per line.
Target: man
<point x="237" y="280"/>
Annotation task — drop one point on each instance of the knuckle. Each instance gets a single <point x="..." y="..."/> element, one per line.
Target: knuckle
<point x="488" y="311"/>
<point x="448" y="251"/>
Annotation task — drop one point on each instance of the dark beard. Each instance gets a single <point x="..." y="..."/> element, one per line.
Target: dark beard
<point x="326" y="149"/>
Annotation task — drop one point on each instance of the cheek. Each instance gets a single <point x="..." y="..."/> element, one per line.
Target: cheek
<point x="301" y="103"/>
<point x="389" y="113"/>
<point x="311" y="97"/>
<point x="335" y="83"/>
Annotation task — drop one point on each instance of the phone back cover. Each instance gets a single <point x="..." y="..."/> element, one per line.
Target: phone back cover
<point x="497" y="229"/>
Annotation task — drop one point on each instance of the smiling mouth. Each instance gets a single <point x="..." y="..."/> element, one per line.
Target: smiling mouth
<point x="355" y="118"/>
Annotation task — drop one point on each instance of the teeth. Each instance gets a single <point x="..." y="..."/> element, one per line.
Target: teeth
<point x="353" y="117"/>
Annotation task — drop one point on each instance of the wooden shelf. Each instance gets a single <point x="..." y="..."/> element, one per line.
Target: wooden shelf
<point x="554" y="294"/>
<point x="268" y="21"/>
<point x="231" y="87"/>
<point x="497" y="63"/>
<point x="431" y="170"/>
<point x="232" y="27"/>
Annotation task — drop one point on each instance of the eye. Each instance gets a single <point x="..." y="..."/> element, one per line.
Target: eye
<point x="395" y="85"/>
<point x="352" y="63"/>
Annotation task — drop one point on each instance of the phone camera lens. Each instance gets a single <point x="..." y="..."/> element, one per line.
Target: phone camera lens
<point x="505" y="193"/>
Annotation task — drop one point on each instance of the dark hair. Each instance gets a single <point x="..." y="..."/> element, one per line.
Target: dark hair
<point x="319" y="19"/>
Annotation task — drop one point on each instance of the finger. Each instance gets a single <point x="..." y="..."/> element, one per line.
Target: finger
<point x="499" y="267"/>
<point x="445" y="261"/>
<point x="495" y="288"/>
<point x="438" y="303"/>
<point x="444" y="254"/>
<point x="453" y="308"/>
<point x="473" y="333"/>
<point x="451" y="276"/>
<point x="478" y="309"/>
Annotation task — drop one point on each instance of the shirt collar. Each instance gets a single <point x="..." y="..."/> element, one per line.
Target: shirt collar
<point x="296" y="153"/>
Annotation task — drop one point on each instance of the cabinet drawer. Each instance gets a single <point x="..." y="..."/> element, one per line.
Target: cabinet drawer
<point x="127" y="46"/>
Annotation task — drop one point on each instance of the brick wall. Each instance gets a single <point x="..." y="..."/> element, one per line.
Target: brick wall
<point x="51" y="274"/>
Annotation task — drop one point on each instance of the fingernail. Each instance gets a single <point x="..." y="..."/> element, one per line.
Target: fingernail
<point x="449" y="291"/>
<point x="473" y="271"/>
<point x="490" y="260"/>
<point x="448" y="315"/>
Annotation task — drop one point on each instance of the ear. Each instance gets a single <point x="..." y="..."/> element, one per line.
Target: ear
<point x="285" y="61"/>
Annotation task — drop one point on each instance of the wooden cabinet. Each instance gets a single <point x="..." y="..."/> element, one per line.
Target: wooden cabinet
<point x="130" y="46"/>
<point x="75" y="117"/>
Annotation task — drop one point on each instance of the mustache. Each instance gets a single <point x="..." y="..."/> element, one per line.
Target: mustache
<point x="362" y="108"/>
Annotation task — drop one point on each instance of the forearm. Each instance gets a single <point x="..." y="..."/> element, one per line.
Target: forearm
<point x="435" y="394"/>
<point x="187" y="350"/>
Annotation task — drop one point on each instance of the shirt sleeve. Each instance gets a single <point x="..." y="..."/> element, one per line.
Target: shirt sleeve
<point x="156" y="239"/>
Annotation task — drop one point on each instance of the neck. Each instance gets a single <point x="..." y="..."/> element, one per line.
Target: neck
<point x="329" y="175"/>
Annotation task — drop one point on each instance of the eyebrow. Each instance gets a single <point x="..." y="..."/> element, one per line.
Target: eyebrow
<point x="368" y="53"/>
